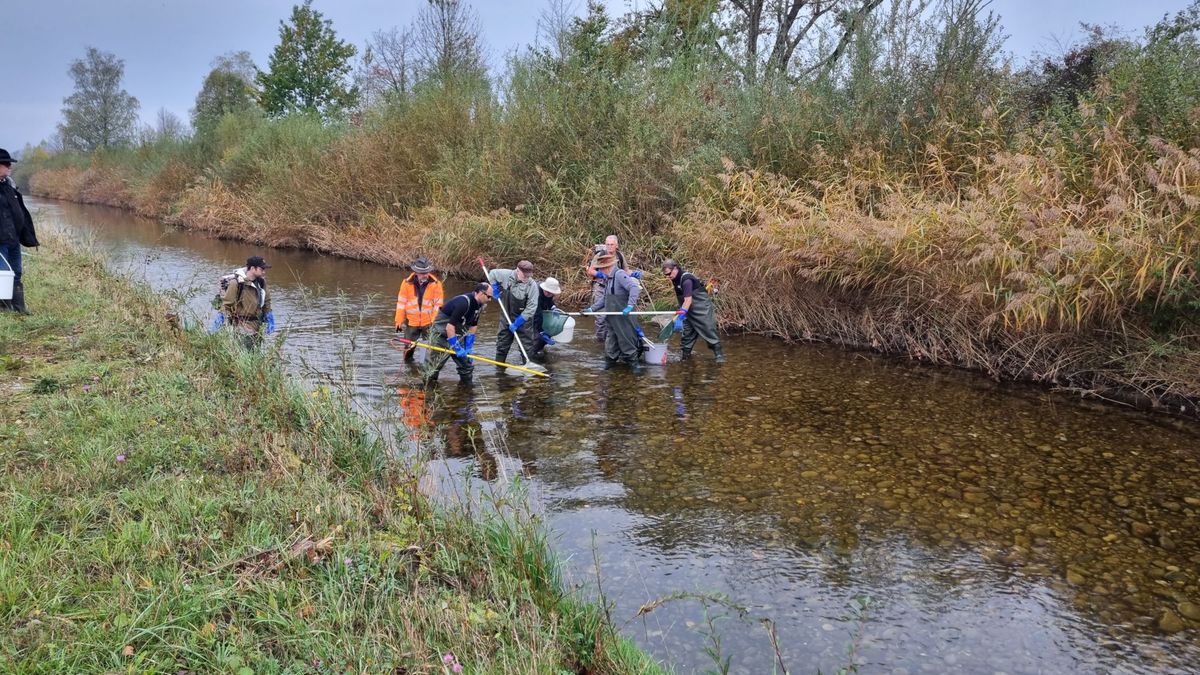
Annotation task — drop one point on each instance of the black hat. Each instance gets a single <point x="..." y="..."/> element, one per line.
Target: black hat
<point x="421" y="265"/>
<point x="6" y="158"/>
<point x="257" y="261"/>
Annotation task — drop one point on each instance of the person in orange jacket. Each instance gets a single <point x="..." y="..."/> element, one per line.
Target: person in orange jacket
<point x="421" y="296"/>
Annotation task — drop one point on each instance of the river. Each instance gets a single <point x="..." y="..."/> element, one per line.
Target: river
<point x="995" y="528"/>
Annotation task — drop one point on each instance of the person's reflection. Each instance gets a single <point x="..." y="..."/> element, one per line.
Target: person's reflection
<point x="618" y="432"/>
<point x="415" y="415"/>
<point x="456" y="422"/>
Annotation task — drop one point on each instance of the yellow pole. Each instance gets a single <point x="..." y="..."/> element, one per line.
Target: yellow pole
<point x="472" y="356"/>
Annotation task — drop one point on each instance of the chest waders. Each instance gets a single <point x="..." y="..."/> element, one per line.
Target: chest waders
<point x="515" y="306"/>
<point x="438" y="360"/>
<point x="621" y="341"/>
<point x="701" y="319"/>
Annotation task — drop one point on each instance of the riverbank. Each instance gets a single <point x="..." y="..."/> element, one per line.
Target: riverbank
<point x="172" y="504"/>
<point x="1090" y="301"/>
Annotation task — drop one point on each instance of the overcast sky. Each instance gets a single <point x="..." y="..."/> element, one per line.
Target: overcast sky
<point x="168" y="45"/>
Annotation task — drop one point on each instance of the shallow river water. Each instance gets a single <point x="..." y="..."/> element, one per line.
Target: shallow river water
<point x="993" y="528"/>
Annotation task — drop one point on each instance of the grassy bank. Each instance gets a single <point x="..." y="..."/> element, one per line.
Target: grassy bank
<point x="172" y="504"/>
<point x="919" y="196"/>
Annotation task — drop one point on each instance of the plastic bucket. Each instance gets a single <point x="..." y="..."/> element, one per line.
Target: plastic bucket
<point x="568" y="331"/>
<point x="558" y="326"/>
<point x="656" y="355"/>
<point x="7" y="279"/>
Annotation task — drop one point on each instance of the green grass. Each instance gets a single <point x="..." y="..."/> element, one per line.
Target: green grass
<point x="169" y="503"/>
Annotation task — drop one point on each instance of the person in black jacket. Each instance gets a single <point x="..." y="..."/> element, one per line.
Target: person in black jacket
<point x="16" y="230"/>
<point x="454" y="330"/>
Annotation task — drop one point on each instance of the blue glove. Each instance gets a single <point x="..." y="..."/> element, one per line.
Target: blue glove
<point x="495" y="290"/>
<point x="637" y="274"/>
<point x="270" y="322"/>
<point x="638" y="329"/>
<point x="459" y="350"/>
<point x="545" y="338"/>
<point x="217" y="322"/>
<point x="517" y="323"/>
<point x="586" y="310"/>
<point x="470" y="342"/>
<point x="679" y="316"/>
<point x="600" y="275"/>
<point x="627" y="310"/>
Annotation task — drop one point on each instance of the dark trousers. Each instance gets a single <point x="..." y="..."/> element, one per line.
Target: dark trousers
<point x="416" y="335"/>
<point x="11" y="251"/>
<point x="504" y="340"/>
<point x="438" y="360"/>
<point x="700" y="324"/>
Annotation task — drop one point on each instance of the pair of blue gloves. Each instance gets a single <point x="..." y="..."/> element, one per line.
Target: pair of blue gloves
<point x="463" y="348"/>
<point x="219" y="320"/>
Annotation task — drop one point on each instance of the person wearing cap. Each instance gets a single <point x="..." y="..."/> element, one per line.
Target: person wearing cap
<point x="620" y="295"/>
<point x="611" y="247"/>
<point x="247" y="304"/>
<point x="696" y="317"/>
<point x="417" y="304"/>
<point x="518" y="293"/>
<point x="16" y="230"/>
<point x="550" y="288"/>
<point x="454" y="330"/>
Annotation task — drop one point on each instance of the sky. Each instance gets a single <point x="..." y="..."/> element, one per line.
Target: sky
<point x="168" y="45"/>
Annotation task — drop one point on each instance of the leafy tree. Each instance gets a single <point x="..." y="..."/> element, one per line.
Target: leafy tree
<point x="100" y="114"/>
<point x="309" y="69"/>
<point x="228" y="88"/>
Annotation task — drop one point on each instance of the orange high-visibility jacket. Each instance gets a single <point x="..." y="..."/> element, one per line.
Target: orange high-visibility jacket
<point x="407" y="311"/>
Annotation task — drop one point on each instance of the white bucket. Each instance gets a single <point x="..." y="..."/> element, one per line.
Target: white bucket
<point x="7" y="280"/>
<point x="656" y="355"/>
<point x="567" y="333"/>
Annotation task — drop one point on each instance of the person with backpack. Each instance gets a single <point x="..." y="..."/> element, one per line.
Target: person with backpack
<point x="246" y="304"/>
<point x="454" y="329"/>
<point x="417" y="304"/>
<point x="696" y="318"/>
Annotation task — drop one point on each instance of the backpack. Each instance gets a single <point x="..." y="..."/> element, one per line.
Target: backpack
<point x="223" y="285"/>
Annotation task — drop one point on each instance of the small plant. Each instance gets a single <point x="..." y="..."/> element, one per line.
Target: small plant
<point x="46" y="385"/>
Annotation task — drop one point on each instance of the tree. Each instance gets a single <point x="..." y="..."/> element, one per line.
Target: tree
<point x="309" y="69"/>
<point x="167" y="127"/>
<point x="388" y="67"/>
<point x="448" y="42"/>
<point x="100" y="114"/>
<point x="228" y="88"/>
<point x="778" y="27"/>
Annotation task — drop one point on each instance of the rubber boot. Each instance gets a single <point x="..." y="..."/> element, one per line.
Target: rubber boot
<point x="18" y="299"/>
<point x="719" y="353"/>
<point x="636" y="367"/>
<point x="410" y="355"/>
<point x="609" y="364"/>
<point x="687" y="354"/>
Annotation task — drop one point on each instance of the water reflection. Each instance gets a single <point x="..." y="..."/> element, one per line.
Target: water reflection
<point x="997" y="528"/>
